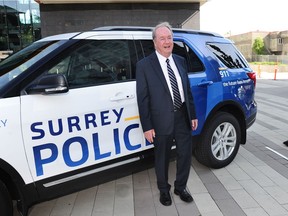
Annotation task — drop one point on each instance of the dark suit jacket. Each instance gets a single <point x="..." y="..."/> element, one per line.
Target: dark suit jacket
<point x="153" y="96"/>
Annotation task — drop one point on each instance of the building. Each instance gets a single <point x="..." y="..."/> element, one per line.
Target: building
<point x="60" y="16"/>
<point x="276" y="45"/>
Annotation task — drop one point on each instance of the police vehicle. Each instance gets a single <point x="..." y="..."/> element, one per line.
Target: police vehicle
<point x="69" y="116"/>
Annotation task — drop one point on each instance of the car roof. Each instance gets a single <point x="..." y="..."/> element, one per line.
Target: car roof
<point x="65" y="36"/>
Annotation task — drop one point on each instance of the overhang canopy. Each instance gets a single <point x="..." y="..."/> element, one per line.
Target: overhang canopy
<point x="116" y="1"/>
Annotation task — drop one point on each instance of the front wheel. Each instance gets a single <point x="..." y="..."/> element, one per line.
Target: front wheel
<point x="6" y="206"/>
<point x="220" y="141"/>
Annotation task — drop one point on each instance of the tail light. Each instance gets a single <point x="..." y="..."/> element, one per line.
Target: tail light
<point x="252" y="76"/>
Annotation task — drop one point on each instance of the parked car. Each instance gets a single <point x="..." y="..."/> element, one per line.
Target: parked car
<point x="69" y="116"/>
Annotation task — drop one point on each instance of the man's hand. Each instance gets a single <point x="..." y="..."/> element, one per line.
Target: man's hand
<point x="150" y="135"/>
<point x="194" y="124"/>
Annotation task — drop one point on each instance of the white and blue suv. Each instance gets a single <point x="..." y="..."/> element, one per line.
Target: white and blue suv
<point x="69" y="116"/>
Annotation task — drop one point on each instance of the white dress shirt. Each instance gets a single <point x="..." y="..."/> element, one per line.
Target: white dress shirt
<point x="163" y="64"/>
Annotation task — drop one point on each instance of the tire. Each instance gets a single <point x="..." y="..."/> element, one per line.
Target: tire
<point x="6" y="205"/>
<point x="220" y="141"/>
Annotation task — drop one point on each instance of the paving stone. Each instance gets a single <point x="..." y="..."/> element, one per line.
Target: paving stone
<point x="230" y="207"/>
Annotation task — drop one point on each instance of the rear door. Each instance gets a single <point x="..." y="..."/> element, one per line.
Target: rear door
<point x="95" y="121"/>
<point x="234" y="70"/>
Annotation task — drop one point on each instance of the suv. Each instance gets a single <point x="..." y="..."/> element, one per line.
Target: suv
<point x="69" y="116"/>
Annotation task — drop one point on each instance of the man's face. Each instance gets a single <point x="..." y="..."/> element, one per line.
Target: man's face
<point x="163" y="41"/>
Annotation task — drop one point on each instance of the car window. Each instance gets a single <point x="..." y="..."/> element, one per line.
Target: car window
<point x="95" y="62"/>
<point x="228" y="55"/>
<point x="147" y="46"/>
<point x="24" y="59"/>
<point x="194" y="63"/>
<point x="180" y="48"/>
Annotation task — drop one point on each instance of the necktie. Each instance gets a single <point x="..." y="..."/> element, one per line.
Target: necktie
<point x="174" y="85"/>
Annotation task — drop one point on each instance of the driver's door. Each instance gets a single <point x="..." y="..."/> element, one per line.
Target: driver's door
<point x="95" y="121"/>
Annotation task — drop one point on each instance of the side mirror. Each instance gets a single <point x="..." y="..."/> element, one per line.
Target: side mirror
<point x="49" y="84"/>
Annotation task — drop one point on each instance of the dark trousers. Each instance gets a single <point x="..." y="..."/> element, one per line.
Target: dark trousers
<point x="182" y="137"/>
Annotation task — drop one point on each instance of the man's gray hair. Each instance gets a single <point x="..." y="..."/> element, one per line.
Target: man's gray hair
<point x="163" y="24"/>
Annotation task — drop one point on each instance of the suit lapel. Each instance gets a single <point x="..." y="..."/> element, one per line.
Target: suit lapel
<point x="158" y="71"/>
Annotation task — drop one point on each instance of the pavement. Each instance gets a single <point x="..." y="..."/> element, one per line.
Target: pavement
<point x="272" y="75"/>
<point x="254" y="184"/>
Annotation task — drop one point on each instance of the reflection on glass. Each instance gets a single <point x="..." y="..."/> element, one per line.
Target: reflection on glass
<point x="228" y="55"/>
<point x="18" y="63"/>
<point x="19" y="24"/>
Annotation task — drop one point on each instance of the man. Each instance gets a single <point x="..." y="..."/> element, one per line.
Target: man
<point x="167" y="111"/>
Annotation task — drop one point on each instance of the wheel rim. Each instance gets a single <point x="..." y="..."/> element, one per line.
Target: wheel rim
<point x="223" y="141"/>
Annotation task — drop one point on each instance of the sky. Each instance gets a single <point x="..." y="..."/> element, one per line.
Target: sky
<point x="233" y="17"/>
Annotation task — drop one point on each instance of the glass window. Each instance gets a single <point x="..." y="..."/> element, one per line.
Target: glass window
<point x="228" y="55"/>
<point x="19" y="24"/>
<point x="21" y="61"/>
<point x="194" y="63"/>
<point x="96" y="62"/>
<point x="147" y="46"/>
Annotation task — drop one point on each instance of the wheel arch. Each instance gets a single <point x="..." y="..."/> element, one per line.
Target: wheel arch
<point x="24" y="194"/>
<point x="9" y="176"/>
<point x="234" y="109"/>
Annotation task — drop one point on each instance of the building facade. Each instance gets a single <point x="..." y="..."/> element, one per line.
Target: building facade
<point x="61" y="16"/>
<point x="278" y="43"/>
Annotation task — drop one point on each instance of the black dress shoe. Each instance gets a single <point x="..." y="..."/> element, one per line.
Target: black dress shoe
<point x="165" y="199"/>
<point x="184" y="195"/>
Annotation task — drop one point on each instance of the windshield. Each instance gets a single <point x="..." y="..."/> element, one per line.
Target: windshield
<point x="18" y="63"/>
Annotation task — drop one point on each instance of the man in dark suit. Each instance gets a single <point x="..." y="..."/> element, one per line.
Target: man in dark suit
<point x="167" y="111"/>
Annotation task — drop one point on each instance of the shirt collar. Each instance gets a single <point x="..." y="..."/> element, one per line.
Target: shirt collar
<point x="162" y="58"/>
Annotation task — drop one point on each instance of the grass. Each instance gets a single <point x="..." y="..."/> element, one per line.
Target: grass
<point x="266" y="63"/>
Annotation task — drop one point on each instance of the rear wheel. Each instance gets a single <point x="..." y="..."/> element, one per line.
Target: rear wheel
<point x="6" y="205"/>
<point x="220" y="141"/>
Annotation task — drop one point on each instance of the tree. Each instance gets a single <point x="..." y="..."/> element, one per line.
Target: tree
<point x="258" y="46"/>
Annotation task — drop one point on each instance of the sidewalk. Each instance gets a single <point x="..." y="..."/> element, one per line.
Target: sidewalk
<point x="271" y="75"/>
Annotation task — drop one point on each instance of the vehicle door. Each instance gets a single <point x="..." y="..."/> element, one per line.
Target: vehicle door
<point x="95" y="121"/>
<point x="235" y="74"/>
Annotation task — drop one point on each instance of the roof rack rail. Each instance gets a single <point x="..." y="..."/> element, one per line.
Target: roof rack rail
<point x="123" y="28"/>
<point x="143" y="28"/>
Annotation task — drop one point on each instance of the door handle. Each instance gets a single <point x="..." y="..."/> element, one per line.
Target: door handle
<point x="205" y="83"/>
<point x="119" y="97"/>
